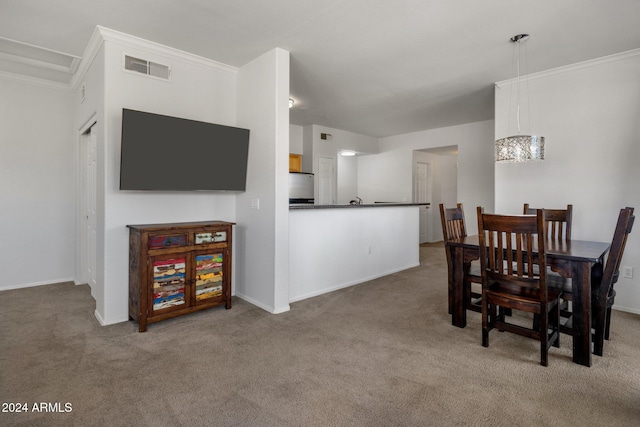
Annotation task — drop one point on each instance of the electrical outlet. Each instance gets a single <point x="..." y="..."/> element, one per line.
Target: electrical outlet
<point x="627" y="272"/>
<point x="255" y="204"/>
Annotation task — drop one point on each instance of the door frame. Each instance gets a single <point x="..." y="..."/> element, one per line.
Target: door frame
<point x="320" y="183"/>
<point x="425" y="211"/>
<point x="81" y="204"/>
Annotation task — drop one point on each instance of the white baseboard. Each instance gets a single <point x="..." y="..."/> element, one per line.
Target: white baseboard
<point x="31" y="285"/>
<point x="352" y="283"/>
<point x="100" y="319"/>
<point x="626" y="309"/>
<point x="271" y="310"/>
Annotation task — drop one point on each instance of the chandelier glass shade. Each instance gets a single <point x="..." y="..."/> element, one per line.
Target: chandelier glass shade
<point x="519" y="148"/>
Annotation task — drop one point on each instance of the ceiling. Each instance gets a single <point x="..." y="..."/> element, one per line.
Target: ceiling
<point x="374" y="67"/>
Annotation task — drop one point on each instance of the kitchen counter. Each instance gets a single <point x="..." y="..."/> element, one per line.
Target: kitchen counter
<point x="363" y="205"/>
<point x="335" y="246"/>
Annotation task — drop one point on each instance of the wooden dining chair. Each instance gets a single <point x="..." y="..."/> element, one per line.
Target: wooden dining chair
<point x="557" y="221"/>
<point x="453" y="227"/>
<point x="557" y="227"/>
<point x="507" y="258"/>
<point x="602" y="280"/>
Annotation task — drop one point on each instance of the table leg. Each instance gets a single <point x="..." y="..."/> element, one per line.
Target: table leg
<point x="459" y="309"/>
<point x="598" y="316"/>
<point x="581" y="290"/>
<point x="599" y="322"/>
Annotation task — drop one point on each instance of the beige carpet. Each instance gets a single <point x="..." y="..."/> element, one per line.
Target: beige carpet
<point x="382" y="353"/>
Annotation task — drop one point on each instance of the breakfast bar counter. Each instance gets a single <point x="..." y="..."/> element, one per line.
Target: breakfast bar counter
<point x="335" y="246"/>
<point x="350" y="206"/>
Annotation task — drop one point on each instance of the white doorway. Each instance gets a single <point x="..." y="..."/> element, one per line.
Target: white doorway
<point x="422" y="194"/>
<point x="88" y="206"/>
<point x="326" y="180"/>
<point x="441" y="187"/>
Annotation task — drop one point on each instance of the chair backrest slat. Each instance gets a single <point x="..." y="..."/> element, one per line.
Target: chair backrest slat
<point x="452" y="219"/>
<point x="507" y="244"/>
<point x="557" y="221"/>
<point x="614" y="258"/>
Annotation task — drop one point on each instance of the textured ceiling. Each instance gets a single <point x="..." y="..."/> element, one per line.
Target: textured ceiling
<point x="375" y="67"/>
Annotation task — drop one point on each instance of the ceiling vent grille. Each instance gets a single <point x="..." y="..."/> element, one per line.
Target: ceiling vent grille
<point x="148" y="68"/>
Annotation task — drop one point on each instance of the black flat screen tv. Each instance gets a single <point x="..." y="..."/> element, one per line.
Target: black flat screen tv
<point x="165" y="153"/>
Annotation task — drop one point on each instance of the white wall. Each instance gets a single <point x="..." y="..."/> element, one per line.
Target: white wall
<point x="388" y="176"/>
<point x="37" y="184"/>
<point x="347" y="179"/>
<point x="446" y="180"/>
<point x="307" y="148"/>
<point x="199" y="89"/>
<point x="338" y="247"/>
<point x="590" y="116"/>
<point x="345" y="169"/>
<point x="40" y="135"/>
<point x="295" y="139"/>
<point x="448" y="167"/>
<point x="90" y="107"/>
<point x="262" y="273"/>
<point x="341" y="139"/>
<point x="444" y="188"/>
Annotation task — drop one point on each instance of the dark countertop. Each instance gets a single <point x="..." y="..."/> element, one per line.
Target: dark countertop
<point x="364" y="205"/>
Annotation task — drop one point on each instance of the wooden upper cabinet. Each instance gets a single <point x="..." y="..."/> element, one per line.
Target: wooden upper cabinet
<point x="295" y="163"/>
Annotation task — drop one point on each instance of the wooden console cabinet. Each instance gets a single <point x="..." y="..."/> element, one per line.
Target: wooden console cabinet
<point x="178" y="268"/>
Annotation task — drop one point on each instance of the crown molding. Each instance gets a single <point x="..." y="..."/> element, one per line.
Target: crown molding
<point x="40" y="64"/>
<point x="157" y="48"/>
<point x="98" y="37"/>
<point x="102" y="34"/>
<point x="573" y="67"/>
<point x="34" y="81"/>
<point x="89" y="54"/>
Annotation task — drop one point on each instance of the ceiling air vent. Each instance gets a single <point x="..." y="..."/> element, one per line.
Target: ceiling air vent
<point x="147" y="67"/>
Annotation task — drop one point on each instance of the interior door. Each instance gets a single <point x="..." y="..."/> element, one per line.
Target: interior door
<point x="89" y="140"/>
<point x="326" y="181"/>
<point x="422" y="194"/>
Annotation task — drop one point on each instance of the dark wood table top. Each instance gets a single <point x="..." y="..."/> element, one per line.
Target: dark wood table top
<point x="572" y="250"/>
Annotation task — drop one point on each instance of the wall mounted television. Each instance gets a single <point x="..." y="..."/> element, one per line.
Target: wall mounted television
<point x="165" y="153"/>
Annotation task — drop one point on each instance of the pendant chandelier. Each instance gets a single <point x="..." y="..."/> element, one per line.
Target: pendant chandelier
<point x="519" y="148"/>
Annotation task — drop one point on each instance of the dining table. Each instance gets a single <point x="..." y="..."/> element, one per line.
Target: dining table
<point x="570" y="258"/>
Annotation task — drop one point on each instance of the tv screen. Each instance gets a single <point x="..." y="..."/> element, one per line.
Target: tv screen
<point x="173" y="154"/>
